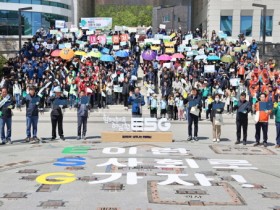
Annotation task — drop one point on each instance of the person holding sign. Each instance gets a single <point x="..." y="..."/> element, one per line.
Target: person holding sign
<point x="82" y="112"/>
<point x="217" y="118"/>
<point x="58" y="103"/>
<point x="6" y="106"/>
<point x="194" y="104"/>
<point x="243" y="107"/>
<point x="137" y="101"/>
<point x="263" y="111"/>
<point x="32" y="115"/>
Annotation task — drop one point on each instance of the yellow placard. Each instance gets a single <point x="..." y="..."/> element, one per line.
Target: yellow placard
<point x="169" y="50"/>
<point x="169" y="44"/>
<point x="155" y="48"/>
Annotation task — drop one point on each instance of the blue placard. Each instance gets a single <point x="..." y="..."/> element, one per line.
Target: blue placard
<point x="193" y="103"/>
<point x="218" y="106"/>
<point x="84" y="100"/>
<point x="60" y="102"/>
<point x="35" y="100"/>
<point x="264" y="106"/>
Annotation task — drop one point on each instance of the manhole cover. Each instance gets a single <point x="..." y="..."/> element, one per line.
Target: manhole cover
<point x="196" y="203"/>
<point x="208" y="173"/>
<point x="29" y="177"/>
<point x="199" y="158"/>
<point x="28" y="171"/>
<point x="15" y="195"/>
<point x="273" y="195"/>
<point x="75" y="168"/>
<point x="11" y="164"/>
<point x="87" y="178"/>
<point x="108" y="208"/>
<point x="191" y="191"/>
<point x="52" y="204"/>
<point x="24" y="162"/>
<point x="113" y="187"/>
<point x="236" y="150"/>
<point x="48" y="188"/>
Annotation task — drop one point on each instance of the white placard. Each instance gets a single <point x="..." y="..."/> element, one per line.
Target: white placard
<point x="116" y="47"/>
<point x="118" y="28"/>
<point x="59" y="24"/>
<point x="188" y="37"/>
<point x="132" y="30"/>
<point x="74" y="30"/>
<point x="234" y="82"/>
<point x="156" y="41"/>
<point x="209" y="69"/>
<point x="64" y="30"/>
<point x="162" y="26"/>
<point x="167" y="65"/>
<point x="53" y="31"/>
<point x="89" y="32"/>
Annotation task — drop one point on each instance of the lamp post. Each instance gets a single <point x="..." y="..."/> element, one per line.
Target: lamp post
<point x="264" y="7"/>
<point x="20" y="24"/>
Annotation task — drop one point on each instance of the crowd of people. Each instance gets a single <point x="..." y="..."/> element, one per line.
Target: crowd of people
<point x="185" y="76"/>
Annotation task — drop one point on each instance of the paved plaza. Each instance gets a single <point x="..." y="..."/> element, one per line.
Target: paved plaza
<point x="137" y="176"/>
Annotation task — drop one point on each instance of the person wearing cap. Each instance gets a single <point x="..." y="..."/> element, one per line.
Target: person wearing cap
<point x="32" y="115"/>
<point x="57" y="113"/>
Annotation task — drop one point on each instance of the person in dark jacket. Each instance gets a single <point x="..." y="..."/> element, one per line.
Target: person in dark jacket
<point x="56" y="113"/>
<point x="137" y="101"/>
<point x="194" y="104"/>
<point x="32" y="114"/>
<point x="217" y="109"/>
<point x="243" y="108"/>
<point x="6" y="106"/>
<point x="82" y="113"/>
<point x="125" y="92"/>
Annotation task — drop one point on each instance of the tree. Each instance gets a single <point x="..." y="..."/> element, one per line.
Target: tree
<point x="124" y="15"/>
<point x="2" y="61"/>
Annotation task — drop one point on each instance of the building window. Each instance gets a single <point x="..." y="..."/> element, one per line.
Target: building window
<point x="226" y="25"/>
<point x="246" y="24"/>
<point x="166" y="18"/>
<point x="269" y="23"/>
<point x="31" y="22"/>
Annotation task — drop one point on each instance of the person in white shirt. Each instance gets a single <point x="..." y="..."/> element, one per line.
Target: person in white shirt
<point x="17" y="94"/>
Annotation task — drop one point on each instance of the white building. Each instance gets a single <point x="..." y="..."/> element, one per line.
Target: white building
<point x="43" y="14"/>
<point x="237" y="16"/>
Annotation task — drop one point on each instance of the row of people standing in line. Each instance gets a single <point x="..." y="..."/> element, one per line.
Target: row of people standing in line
<point x="32" y="102"/>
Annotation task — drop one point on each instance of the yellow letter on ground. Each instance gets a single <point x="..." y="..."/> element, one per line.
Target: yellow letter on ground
<point x="64" y="179"/>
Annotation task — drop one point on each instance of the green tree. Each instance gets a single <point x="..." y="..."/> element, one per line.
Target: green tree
<point x="2" y="61"/>
<point x="124" y="15"/>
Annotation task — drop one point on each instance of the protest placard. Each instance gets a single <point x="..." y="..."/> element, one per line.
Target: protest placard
<point x="162" y="26"/>
<point x="234" y="82"/>
<point x="209" y="69"/>
<point x="117" y="89"/>
<point x="59" y="23"/>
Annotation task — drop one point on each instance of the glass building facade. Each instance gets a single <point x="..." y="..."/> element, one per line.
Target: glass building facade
<point x="31" y="22"/>
<point x="246" y="25"/>
<point x="39" y="2"/>
<point x="226" y="25"/>
<point x="269" y="24"/>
